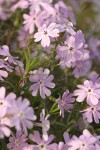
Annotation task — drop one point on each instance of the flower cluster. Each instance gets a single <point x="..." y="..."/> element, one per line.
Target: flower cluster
<point x="49" y="75"/>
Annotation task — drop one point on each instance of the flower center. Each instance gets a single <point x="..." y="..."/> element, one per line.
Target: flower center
<point x="21" y="114"/>
<point x="16" y="142"/>
<point x="41" y="147"/>
<point x="34" y="18"/>
<point x="92" y="109"/>
<point x="71" y="49"/>
<point x="45" y="32"/>
<point x="1" y="103"/>
<point x="89" y="90"/>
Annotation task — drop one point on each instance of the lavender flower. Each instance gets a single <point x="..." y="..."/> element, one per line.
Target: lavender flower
<point x="22" y="115"/>
<point x="41" y="143"/>
<point x="72" y="50"/>
<point x="5" y="101"/>
<point x="84" y="142"/>
<point x="92" y="112"/>
<point x="42" y="81"/>
<point x="65" y="103"/>
<point x="18" y="141"/>
<point x="41" y="5"/>
<point x="32" y="20"/>
<point x="44" y="33"/>
<point x="90" y="91"/>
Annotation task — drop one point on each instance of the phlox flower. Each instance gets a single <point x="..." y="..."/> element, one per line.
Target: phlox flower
<point x="65" y="103"/>
<point x="88" y="91"/>
<point x="5" y="65"/>
<point x="20" y="4"/>
<point x="22" y="114"/>
<point x="31" y="20"/>
<point x="42" y="81"/>
<point x="63" y="13"/>
<point x="85" y="142"/>
<point x="39" y="5"/>
<point x="45" y="123"/>
<point x="82" y="67"/>
<point x="45" y="32"/>
<point x="41" y="143"/>
<point x="72" y="50"/>
<point x="5" y="101"/>
<point x="4" y="52"/>
<point x="92" y="112"/>
<point x="94" y="45"/>
<point x="18" y="141"/>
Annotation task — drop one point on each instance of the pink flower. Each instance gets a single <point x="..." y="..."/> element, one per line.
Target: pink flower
<point x="42" y="81"/>
<point x="39" y="5"/>
<point x="41" y="143"/>
<point x="21" y="4"/>
<point x="44" y="33"/>
<point x="65" y="103"/>
<point x="92" y="112"/>
<point x="90" y="91"/>
<point x="31" y="20"/>
<point x="72" y="50"/>
<point x="22" y="114"/>
<point x="17" y="142"/>
<point x="85" y="142"/>
<point x="5" y="101"/>
<point x="4" y="51"/>
<point x="45" y="123"/>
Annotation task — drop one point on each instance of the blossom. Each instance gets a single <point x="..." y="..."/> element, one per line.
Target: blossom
<point x="92" y="112"/>
<point x="5" y="101"/>
<point x="82" y="67"/>
<point x="44" y="33"/>
<point x="65" y="103"/>
<point x="41" y="5"/>
<point x="42" y="81"/>
<point x="5" y="65"/>
<point x="22" y="114"/>
<point x="41" y="143"/>
<point x="31" y="20"/>
<point x="63" y="13"/>
<point x="21" y="4"/>
<point x="4" y="51"/>
<point x="45" y="123"/>
<point x="18" y="141"/>
<point x="85" y="142"/>
<point x="72" y="50"/>
<point x="90" y="91"/>
<point x="94" y="45"/>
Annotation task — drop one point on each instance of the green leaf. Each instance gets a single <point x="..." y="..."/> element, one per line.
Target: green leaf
<point x="28" y="59"/>
<point x="35" y="61"/>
